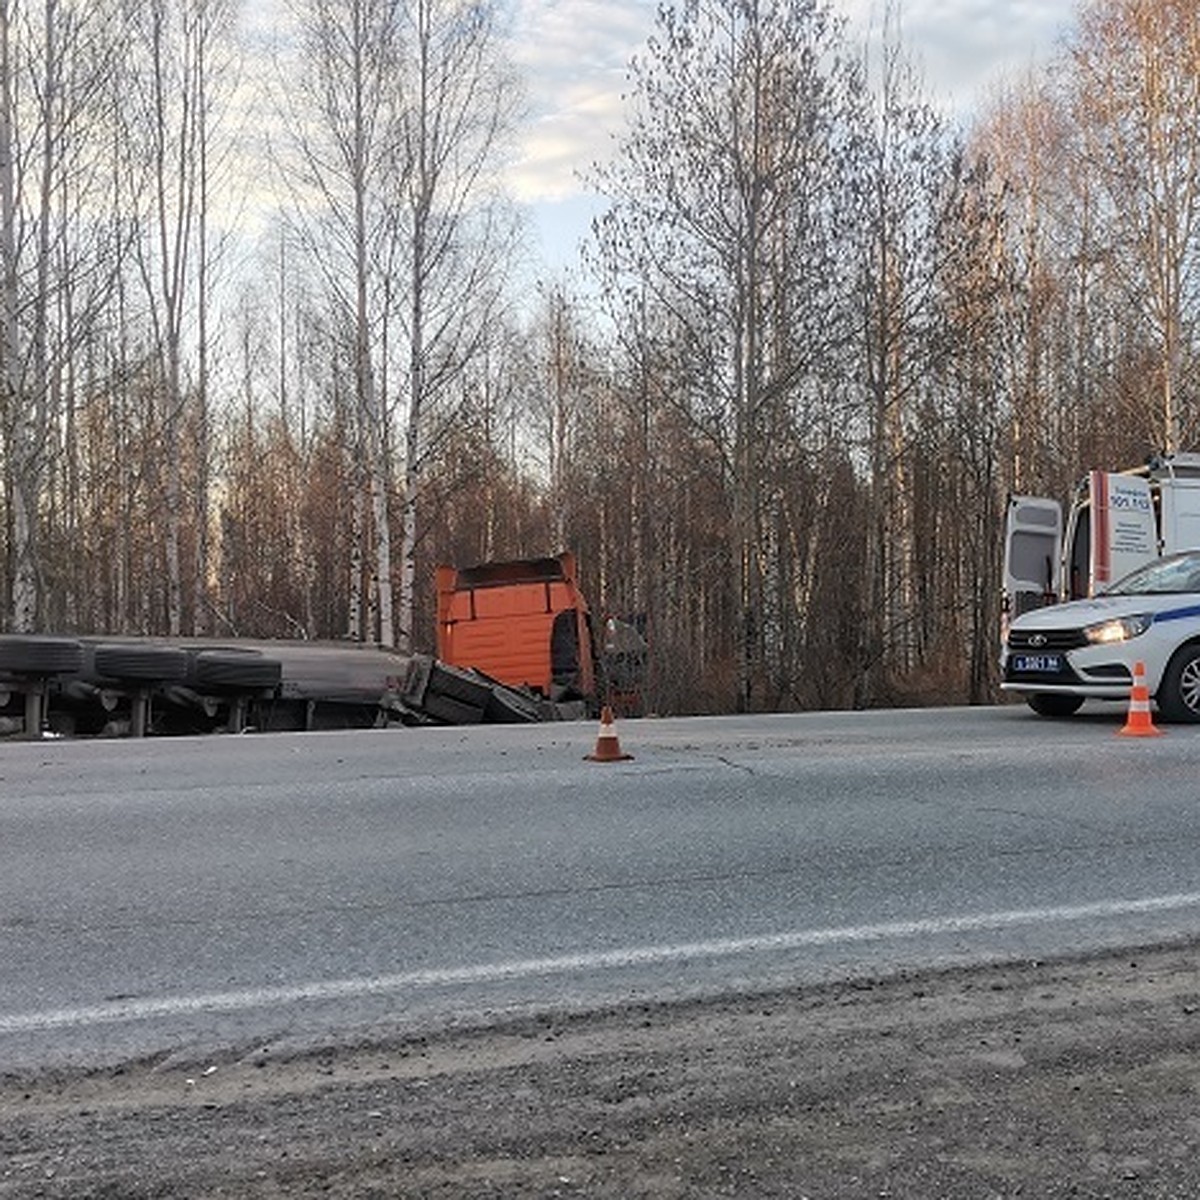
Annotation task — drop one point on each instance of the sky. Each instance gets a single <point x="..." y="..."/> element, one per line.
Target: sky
<point x="574" y="54"/>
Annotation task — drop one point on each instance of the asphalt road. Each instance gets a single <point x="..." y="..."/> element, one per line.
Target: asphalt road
<point x="184" y="897"/>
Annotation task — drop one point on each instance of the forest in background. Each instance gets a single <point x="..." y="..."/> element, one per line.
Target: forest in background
<point x="817" y="338"/>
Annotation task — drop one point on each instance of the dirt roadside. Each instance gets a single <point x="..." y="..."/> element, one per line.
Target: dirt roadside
<point x="1076" y="1078"/>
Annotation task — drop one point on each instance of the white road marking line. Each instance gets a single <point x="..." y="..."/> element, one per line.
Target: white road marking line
<point x="111" y="1012"/>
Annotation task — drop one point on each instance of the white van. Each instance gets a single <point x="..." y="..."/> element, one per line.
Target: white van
<point x="1117" y="524"/>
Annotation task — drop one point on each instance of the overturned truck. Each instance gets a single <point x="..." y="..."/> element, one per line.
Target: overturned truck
<point x="515" y="644"/>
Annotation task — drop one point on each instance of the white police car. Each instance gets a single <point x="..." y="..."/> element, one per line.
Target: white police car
<point x="1058" y="656"/>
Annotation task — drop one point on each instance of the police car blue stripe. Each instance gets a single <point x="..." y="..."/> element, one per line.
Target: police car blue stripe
<point x="1178" y="614"/>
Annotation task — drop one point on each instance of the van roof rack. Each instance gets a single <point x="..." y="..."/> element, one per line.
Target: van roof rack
<point x="1181" y="463"/>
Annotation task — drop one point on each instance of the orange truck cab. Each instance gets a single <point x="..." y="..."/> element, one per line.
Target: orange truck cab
<point x="524" y="623"/>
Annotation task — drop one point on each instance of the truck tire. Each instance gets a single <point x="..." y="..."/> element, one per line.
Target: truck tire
<point x="1179" y="692"/>
<point x="1054" y="704"/>
<point x="142" y="663"/>
<point x="26" y="654"/>
<point x="220" y="670"/>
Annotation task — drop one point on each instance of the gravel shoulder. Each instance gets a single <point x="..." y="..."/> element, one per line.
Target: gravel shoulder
<point x="1077" y="1078"/>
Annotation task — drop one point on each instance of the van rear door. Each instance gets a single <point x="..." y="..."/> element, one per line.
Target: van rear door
<point x="1032" y="545"/>
<point x="1180" y="514"/>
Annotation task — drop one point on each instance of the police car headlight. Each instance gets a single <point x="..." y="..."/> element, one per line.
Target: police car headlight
<point x="1120" y="629"/>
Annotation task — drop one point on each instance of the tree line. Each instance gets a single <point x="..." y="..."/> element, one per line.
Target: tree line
<point x="818" y="335"/>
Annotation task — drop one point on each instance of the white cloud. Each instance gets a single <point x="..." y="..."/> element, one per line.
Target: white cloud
<point x="574" y="54"/>
<point x="966" y="47"/>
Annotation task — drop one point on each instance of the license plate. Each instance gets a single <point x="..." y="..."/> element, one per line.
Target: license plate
<point x="1038" y="664"/>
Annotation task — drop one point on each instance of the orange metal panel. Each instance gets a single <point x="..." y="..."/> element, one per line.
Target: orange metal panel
<point x="499" y="619"/>
<point x="515" y="600"/>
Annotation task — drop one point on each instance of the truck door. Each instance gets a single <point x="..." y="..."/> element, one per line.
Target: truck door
<point x="1124" y="530"/>
<point x="1032" y="544"/>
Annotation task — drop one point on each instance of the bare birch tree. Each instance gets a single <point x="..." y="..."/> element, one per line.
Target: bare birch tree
<point x="725" y="200"/>
<point x="344" y="101"/>
<point x="457" y="233"/>
<point x="1137" y="74"/>
<point x="54" y="60"/>
<point x="411" y="100"/>
<point x="168" y="132"/>
<point x="902" y="173"/>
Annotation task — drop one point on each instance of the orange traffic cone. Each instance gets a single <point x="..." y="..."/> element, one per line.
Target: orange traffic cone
<point x="608" y="746"/>
<point x="1138" y="723"/>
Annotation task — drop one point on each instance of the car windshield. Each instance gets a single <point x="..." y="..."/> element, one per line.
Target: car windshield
<point x="1180" y="573"/>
